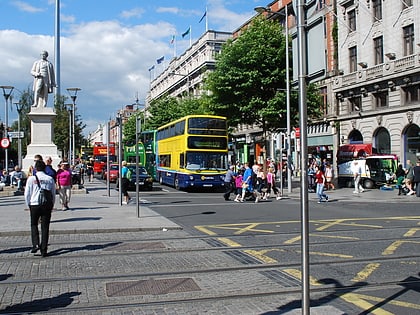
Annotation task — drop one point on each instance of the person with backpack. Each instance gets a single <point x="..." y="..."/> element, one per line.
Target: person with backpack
<point x="36" y="184"/>
<point x="125" y="182"/>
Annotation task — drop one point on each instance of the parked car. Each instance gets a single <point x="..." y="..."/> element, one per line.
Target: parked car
<point x="113" y="173"/>
<point x="145" y="181"/>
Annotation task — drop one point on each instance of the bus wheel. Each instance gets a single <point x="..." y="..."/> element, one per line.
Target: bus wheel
<point x="176" y="183"/>
<point x="368" y="184"/>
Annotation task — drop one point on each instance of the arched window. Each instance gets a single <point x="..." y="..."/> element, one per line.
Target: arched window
<point x="412" y="142"/>
<point x="382" y="141"/>
<point x="355" y="137"/>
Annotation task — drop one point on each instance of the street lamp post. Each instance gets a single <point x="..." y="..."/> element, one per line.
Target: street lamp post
<point x="70" y="110"/>
<point x="288" y="123"/>
<point x="19" y="108"/>
<point x="7" y="91"/>
<point x="73" y="96"/>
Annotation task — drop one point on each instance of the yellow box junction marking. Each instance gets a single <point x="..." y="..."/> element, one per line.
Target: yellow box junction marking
<point x="297" y="238"/>
<point x="365" y="272"/>
<point x="260" y="254"/>
<point x="411" y="232"/>
<point x="359" y="300"/>
<point x="394" y="246"/>
<point x="229" y="242"/>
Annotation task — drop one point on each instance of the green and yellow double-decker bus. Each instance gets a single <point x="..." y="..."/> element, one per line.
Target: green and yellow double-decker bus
<point x="192" y="152"/>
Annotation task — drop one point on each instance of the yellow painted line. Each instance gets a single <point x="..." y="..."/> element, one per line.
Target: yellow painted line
<point x="357" y="296"/>
<point x="251" y="227"/>
<point x="393" y="247"/>
<point x="358" y="300"/>
<point x="341" y="223"/>
<point x="411" y="232"/>
<point x="336" y="236"/>
<point x="293" y="240"/>
<point x="229" y="242"/>
<point x="298" y="275"/>
<point x="202" y="229"/>
<point x="260" y="254"/>
<point x="365" y="272"/>
<point x="329" y="254"/>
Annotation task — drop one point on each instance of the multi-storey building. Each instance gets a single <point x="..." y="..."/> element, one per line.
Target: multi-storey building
<point x="184" y="75"/>
<point x="378" y="88"/>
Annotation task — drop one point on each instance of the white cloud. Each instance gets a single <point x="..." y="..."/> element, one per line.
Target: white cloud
<point x="26" y="7"/>
<point x="136" y="12"/>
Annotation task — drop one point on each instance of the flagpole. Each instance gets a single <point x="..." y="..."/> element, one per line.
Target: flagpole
<point x="207" y="21"/>
<point x="190" y="36"/>
<point x="174" y="47"/>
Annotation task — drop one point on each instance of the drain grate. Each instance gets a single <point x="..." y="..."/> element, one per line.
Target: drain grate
<point x="151" y="287"/>
<point x="243" y="257"/>
<point x="214" y="242"/>
<point x="281" y="278"/>
<point x="137" y="246"/>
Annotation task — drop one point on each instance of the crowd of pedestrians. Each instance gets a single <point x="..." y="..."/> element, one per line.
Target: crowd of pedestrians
<point x="252" y="183"/>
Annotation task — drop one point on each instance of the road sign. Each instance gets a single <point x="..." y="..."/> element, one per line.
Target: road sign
<point x="16" y="134"/>
<point x="5" y="143"/>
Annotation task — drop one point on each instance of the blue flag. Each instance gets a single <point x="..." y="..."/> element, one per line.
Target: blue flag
<point x="202" y="18"/>
<point x="151" y="68"/>
<point x="160" y="60"/>
<point x="186" y="32"/>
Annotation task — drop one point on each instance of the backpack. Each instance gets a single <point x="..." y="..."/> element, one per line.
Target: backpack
<point x="45" y="196"/>
<point x="128" y="174"/>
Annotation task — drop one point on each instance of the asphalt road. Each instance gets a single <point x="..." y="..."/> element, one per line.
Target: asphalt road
<point x="368" y="249"/>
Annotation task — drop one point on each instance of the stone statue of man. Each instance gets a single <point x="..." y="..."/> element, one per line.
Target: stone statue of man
<point x="44" y="80"/>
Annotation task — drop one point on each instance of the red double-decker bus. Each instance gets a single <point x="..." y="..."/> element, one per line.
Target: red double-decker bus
<point x="100" y="155"/>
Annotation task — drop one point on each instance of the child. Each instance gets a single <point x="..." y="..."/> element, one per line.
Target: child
<point x="238" y="185"/>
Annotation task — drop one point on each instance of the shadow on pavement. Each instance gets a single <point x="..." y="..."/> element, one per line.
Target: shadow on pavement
<point x="42" y="305"/>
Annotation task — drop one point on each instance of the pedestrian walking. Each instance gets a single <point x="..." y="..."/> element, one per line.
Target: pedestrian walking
<point x="89" y="170"/>
<point x="271" y="184"/>
<point x="229" y="182"/>
<point x="329" y="176"/>
<point x="125" y="182"/>
<point x="416" y="171"/>
<point x="33" y="187"/>
<point x="49" y="170"/>
<point x="64" y="185"/>
<point x="238" y="185"/>
<point x="320" y="182"/>
<point x="357" y="176"/>
<point x="400" y="175"/>
<point x="409" y="178"/>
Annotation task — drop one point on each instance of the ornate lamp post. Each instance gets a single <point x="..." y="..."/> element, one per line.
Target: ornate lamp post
<point x="73" y="96"/>
<point x="7" y="91"/>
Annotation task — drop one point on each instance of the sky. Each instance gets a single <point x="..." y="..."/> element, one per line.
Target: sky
<point x="107" y="46"/>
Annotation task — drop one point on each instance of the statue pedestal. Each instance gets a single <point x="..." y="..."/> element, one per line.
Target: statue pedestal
<point x="42" y="135"/>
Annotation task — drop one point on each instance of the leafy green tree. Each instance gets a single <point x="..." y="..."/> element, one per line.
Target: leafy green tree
<point x="249" y="82"/>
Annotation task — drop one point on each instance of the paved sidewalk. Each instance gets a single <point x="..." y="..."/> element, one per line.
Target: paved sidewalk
<point x="90" y="211"/>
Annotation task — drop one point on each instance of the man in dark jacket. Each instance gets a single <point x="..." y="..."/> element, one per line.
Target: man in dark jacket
<point x="416" y="180"/>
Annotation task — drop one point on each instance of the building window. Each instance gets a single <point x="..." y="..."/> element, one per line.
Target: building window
<point x="411" y="94"/>
<point x="351" y="17"/>
<point x="407" y="3"/>
<point x="353" y="59"/>
<point x="408" y="33"/>
<point x="381" y="99"/>
<point x="355" y="104"/>
<point x="377" y="10"/>
<point x="378" y="44"/>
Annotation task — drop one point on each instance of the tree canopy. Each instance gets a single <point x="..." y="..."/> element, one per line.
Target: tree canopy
<point x="249" y="83"/>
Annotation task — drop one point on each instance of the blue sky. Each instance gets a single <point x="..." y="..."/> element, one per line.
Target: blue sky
<point x="107" y="46"/>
